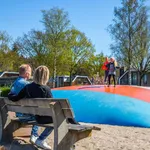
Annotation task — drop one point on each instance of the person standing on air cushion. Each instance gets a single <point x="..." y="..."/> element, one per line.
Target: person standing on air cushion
<point x="112" y="71"/>
<point x="105" y="68"/>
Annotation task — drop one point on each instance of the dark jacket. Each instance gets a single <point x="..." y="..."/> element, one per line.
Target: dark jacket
<point x="111" y="68"/>
<point x="108" y="66"/>
<point x="33" y="90"/>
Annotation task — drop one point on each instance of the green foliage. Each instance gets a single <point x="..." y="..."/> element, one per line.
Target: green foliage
<point x="33" y="47"/>
<point x="91" y="66"/>
<point x="5" y="39"/>
<point x="10" y="59"/>
<point x="96" y="64"/>
<point x="81" y="49"/>
<point x="56" y="23"/>
<point x="4" y="91"/>
<point x="125" y="28"/>
<point x="130" y="33"/>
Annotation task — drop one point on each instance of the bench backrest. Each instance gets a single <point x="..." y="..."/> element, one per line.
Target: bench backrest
<point x="39" y="106"/>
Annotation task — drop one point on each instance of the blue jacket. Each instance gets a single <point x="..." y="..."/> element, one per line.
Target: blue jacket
<point x="18" y="85"/>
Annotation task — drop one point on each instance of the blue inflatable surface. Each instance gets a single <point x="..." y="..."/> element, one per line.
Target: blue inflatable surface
<point x="106" y="108"/>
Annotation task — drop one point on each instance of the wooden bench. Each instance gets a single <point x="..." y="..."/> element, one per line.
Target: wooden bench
<point x="66" y="130"/>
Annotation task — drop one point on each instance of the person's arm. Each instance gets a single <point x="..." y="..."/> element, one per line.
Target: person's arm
<point x="108" y="66"/>
<point x="20" y="95"/>
<point x="48" y="93"/>
<point x="115" y="67"/>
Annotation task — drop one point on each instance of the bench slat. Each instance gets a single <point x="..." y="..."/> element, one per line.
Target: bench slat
<point x="74" y="127"/>
<point x="37" y="111"/>
<point x="79" y="127"/>
<point x="40" y="102"/>
<point x="29" y="110"/>
<point x="83" y="127"/>
<point x="68" y="111"/>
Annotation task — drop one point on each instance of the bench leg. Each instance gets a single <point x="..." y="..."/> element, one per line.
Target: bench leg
<point x="7" y="127"/>
<point x="8" y="130"/>
<point x="71" y="138"/>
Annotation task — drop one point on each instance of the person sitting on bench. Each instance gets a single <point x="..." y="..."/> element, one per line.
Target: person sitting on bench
<point x="24" y="75"/>
<point x="37" y="89"/>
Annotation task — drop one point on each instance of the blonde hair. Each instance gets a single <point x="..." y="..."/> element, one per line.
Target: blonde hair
<point x="23" y="69"/>
<point x="114" y="60"/>
<point x="41" y="75"/>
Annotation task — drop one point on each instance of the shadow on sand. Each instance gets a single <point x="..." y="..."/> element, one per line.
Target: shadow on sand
<point x="19" y="144"/>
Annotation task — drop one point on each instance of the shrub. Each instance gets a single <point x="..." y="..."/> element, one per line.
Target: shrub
<point x="4" y="91"/>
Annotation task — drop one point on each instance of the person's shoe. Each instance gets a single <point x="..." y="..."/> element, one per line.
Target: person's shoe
<point x="42" y="144"/>
<point x="33" y="139"/>
<point x="108" y="85"/>
<point x="73" y="147"/>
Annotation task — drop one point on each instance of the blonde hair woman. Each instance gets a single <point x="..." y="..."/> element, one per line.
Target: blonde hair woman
<point x="41" y="75"/>
<point x="37" y="89"/>
<point x="112" y="70"/>
<point x="114" y="60"/>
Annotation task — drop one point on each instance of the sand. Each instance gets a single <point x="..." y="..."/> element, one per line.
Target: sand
<point x="109" y="138"/>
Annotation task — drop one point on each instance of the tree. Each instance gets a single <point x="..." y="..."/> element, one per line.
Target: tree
<point x="96" y="63"/>
<point x="5" y="50"/>
<point x="16" y="59"/>
<point x="60" y="47"/>
<point x="91" y="66"/>
<point x="56" y="24"/>
<point x="5" y="41"/>
<point x="80" y="50"/>
<point x="10" y="59"/>
<point x="126" y="25"/>
<point x="142" y="50"/>
<point x="33" y="47"/>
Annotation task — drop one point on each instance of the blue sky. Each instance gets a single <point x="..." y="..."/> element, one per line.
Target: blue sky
<point x="89" y="16"/>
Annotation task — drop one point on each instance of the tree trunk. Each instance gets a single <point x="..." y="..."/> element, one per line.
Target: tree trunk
<point x="54" y="73"/>
<point x="141" y="76"/>
<point x="130" y="79"/>
<point x="70" y="78"/>
<point x="140" y="81"/>
<point x="130" y="50"/>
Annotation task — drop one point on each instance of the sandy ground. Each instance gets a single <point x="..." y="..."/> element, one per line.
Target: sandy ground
<point x="109" y="138"/>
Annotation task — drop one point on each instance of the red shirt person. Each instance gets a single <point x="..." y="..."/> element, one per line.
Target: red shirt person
<point x="105" y="68"/>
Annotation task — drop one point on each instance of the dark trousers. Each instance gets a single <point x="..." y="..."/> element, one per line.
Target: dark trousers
<point x="106" y="75"/>
<point x="109" y="77"/>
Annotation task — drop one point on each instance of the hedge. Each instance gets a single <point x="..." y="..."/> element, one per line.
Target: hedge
<point x="4" y="91"/>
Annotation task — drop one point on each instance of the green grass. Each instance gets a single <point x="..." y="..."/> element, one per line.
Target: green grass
<point x="4" y="91"/>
